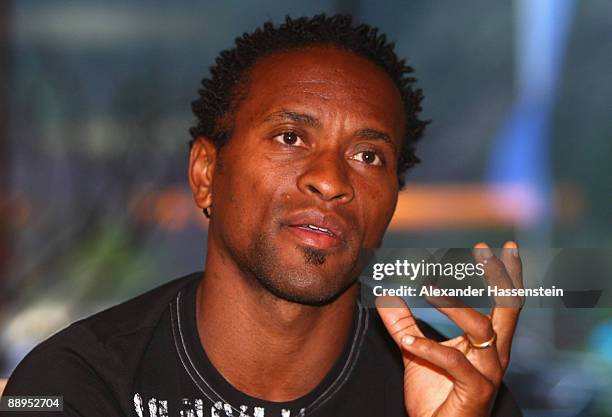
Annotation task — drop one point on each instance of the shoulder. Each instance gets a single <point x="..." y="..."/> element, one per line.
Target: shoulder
<point x="94" y="358"/>
<point x="136" y="314"/>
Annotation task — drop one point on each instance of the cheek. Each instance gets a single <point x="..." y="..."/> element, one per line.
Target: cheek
<point x="377" y="206"/>
<point x="231" y="195"/>
<point x="249" y="189"/>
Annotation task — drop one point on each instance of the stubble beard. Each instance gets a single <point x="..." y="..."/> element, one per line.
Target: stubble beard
<point x="304" y="284"/>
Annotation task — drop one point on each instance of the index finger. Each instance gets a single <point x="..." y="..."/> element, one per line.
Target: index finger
<point x="397" y="318"/>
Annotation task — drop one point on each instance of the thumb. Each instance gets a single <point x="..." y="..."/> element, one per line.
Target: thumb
<point x="398" y="318"/>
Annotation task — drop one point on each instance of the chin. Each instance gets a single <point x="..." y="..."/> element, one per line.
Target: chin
<point x="312" y="295"/>
<point x="296" y="273"/>
<point x="302" y="287"/>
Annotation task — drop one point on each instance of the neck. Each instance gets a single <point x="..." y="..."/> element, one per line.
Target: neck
<point x="267" y="347"/>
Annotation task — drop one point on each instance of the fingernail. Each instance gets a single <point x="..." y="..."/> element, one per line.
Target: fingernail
<point x="483" y="250"/>
<point x="407" y="340"/>
<point x="513" y="248"/>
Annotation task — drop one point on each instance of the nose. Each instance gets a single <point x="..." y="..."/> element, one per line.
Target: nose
<point x="326" y="177"/>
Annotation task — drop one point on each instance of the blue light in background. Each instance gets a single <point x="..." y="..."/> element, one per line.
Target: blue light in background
<point x="520" y="153"/>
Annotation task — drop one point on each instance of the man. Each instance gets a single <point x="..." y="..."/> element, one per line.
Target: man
<point x="304" y="132"/>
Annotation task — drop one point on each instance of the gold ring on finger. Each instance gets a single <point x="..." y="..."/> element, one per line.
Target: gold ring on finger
<point x="485" y="344"/>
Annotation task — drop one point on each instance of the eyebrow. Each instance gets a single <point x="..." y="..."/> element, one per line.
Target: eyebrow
<point x="377" y="135"/>
<point x="296" y="117"/>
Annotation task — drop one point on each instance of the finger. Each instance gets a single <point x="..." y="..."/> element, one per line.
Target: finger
<point x="505" y="319"/>
<point x="512" y="261"/>
<point x="504" y="314"/>
<point x="397" y="318"/>
<point x="467" y="379"/>
<point x="495" y="275"/>
<point x="443" y="300"/>
<point x="504" y="325"/>
<point x="475" y="324"/>
<point x="478" y="329"/>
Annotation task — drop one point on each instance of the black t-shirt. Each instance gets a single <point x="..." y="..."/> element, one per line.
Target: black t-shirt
<point x="144" y="358"/>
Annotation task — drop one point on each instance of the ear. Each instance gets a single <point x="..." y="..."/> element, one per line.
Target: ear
<point x="202" y="161"/>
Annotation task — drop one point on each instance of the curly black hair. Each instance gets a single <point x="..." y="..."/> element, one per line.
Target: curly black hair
<point x="219" y="94"/>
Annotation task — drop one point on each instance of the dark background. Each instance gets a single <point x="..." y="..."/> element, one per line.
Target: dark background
<point x="94" y="112"/>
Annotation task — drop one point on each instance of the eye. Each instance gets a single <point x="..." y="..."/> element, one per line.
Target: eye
<point x="368" y="157"/>
<point x="289" y="138"/>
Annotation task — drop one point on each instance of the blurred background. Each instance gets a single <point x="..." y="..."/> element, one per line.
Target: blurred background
<point x="94" y="112"/>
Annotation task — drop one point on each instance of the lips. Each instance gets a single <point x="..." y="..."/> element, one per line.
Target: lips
<point x="318" y="229"/>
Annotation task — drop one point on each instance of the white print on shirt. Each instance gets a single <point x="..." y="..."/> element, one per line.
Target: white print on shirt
<point x="138" y="404"/>
<point x="199" y="407"/>
<point x="186" y="410"/>
<point x="195" y="408"/>
<point x="213" y="409"/>
<point x="153" y="407"/>
<point x="157" y="408"/>
<point x="162" y="408"/>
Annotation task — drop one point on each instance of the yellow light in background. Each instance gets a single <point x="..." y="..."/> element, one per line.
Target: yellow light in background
<point x="465" y="205"/>
<point x="420" y="207"/>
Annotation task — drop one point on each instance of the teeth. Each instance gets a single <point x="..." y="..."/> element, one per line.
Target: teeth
<point x="320" y="229"/>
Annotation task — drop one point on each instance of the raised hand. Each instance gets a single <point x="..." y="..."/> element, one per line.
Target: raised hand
<point x="458" y="377"/>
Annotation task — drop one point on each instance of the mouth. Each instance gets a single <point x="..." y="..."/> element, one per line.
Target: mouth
<point x="317" y="229"/>
<point x="315" y="236"/>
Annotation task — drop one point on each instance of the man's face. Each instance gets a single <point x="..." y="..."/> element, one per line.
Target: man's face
<point x="308" y="178"/>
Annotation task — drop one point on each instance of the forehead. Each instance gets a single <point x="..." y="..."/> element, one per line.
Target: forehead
<point x="323" y="79"/>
